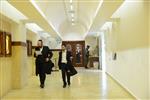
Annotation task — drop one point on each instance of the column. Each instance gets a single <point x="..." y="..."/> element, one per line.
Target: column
<point x="19" y="54"/>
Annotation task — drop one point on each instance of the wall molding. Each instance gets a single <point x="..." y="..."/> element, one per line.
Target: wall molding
<point x="56" y="49"/>
<point x="121" y="85"/>
<point x="19" y="43"/>
<point x="33" y="47"/>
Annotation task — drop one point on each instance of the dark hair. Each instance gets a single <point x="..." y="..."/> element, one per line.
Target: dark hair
<point x="40" y="41"/>
<point x="88" y="46"/>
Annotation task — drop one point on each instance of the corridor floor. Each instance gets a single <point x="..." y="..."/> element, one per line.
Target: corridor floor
<point x="86" y="85"/>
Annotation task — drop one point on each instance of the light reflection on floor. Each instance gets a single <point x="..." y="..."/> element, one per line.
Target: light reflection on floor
<point x="86" y="85"/>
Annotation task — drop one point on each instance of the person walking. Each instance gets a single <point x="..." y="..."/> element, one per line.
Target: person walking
<point x="41" y="54"/>
<point x="64" y="64"/>
<point x="87" y="54"/>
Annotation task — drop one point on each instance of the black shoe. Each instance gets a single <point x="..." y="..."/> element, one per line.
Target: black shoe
<point x="42" y="85"/>
<point x="64" y="85"/>
<point x="86" y="67"/>
<point x="69" y="83"/>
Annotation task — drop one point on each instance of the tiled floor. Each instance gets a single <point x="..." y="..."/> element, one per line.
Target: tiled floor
<point x="86" y="85"/>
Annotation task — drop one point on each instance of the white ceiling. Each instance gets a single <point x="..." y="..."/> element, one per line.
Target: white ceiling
<point x="55" y="16"/>
<point x="11" y="12"/>
<point x="58" y="14"/>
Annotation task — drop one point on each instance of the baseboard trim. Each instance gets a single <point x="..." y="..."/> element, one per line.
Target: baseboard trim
<point x="119" y="83"/>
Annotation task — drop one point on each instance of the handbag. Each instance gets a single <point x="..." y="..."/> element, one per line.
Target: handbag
<point x="48" y="67"/>
<point x="72" y="71"/>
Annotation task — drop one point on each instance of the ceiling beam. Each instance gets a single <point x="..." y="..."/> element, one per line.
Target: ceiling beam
<point x="28" y="9"/>
<point x="106" y="10"/>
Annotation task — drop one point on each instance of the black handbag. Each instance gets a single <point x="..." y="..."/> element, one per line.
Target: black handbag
<point x="48" y="67"/>
<point x="72" y="71"/>
<point x="51" y="64"/>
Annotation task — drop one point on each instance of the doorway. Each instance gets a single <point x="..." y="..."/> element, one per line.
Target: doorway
<point x="77" y="48"/>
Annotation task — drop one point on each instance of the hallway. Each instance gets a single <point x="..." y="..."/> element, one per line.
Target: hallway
<point x="108" y="42"/>
<point x="87" y="85"/>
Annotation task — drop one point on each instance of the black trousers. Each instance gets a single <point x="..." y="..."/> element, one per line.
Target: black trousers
<point x="41" y="72"/>
<point x="86" y="61"/>
<point x="64" y="70"/>
<point x="42" y="77"/>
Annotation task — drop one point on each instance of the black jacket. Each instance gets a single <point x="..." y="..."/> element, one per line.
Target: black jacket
<point x="41" y="59"/>
<point x="68" y="58"/>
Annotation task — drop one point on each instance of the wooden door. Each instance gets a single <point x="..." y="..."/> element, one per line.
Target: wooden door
<point x="77" y="48"/>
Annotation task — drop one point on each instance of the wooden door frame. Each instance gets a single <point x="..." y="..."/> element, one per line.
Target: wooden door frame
<point x="73" y="51"/>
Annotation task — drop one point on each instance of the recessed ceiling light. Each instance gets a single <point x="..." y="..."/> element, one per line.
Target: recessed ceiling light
<point x="72" y="19"/>
<point x="72" y="15"/>
<point x="70" y="1"/>
<point x="71" y="7"/>
<point x="72" y="23"/>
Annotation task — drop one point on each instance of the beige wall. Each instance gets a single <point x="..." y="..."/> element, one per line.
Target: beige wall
<point x="19" y="67"/>
<point x="5" y="64"/>
<point x="149" y="48"/>
<point x="15" y="75"/>
<point x="130" y="38"/>
<point x="31" y="60"/>
<point x="33" y="37"/>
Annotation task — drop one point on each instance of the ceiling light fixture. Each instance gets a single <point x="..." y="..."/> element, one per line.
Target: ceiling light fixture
<point x="71" y="7"/>
<point x="72" y="19"/>
<point x="72" y="15"/>
<point x="72" y="23"/>
<point x="70" y="1"/>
